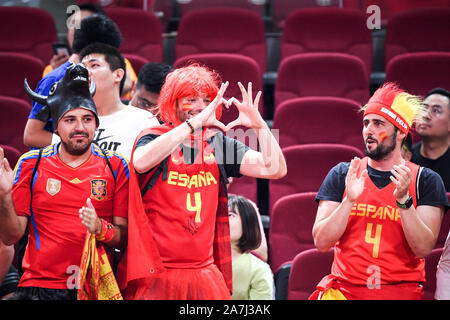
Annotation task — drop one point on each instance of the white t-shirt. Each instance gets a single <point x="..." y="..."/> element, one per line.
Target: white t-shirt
<point x="118" y="131"/>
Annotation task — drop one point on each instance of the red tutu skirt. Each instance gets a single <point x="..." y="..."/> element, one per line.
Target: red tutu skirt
<point x="181" y="284"/>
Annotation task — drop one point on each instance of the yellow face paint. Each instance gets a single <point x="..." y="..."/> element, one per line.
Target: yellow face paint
<point x="382" y="136"/>
<point x="186" y="107"/>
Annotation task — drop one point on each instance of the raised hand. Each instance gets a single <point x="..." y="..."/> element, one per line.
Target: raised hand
<point x="354" y="185"/>
<point x="89" y="218"/>
<point x="207" y="117"/>
<point x="249" y="115"/>
<point x="6" y="175"/>
<point x="402" y="180"/>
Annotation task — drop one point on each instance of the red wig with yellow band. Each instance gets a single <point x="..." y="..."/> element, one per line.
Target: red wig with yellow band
<point x="182" y="82"/>
<point x="395" y="105"/>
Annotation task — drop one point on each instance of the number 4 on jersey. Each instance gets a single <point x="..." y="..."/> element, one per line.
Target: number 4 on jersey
<point x="197" y="207"/>
<point x="374" y="240"/>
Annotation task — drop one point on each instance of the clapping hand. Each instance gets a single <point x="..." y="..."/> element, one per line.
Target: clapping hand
<point x="89" y="218"/>
<point x="354" y="185"/>
<point x="402" y="180"/>
<point x="6" y="174"/>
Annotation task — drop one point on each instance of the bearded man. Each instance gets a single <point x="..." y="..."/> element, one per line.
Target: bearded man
<point x="381" y="214"/>
<point x="62" y="192"/>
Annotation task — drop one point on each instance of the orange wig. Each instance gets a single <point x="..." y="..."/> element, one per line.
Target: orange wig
<point x="193" y="79"/>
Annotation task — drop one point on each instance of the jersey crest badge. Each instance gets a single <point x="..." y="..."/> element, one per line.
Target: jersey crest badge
<point x="53" y="186"/>
<point x="98" y="190"/>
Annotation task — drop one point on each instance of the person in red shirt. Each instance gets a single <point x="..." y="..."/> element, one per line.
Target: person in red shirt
<point x="182" y="169"/>
<point x="382" y="214"/>
<point x="75" y="188"/>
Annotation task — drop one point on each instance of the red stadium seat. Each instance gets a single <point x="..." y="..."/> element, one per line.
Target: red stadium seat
<point x="319" y="120"/>
<point x="140" y="4"/>
<point x="15" y="68"/>
<point x="418" y="73"/>
<point x="190" y="5"/>
<point x="417" y="31"/>
<point x="164" y="9"/>
<point x="11" y="153"/>
<point x="141" y="32"/>
<point x="13" y="117"/>
<point x="232" y="68"/>
<point x="290" y="229"/>
<point x="161" y="8"/>
<point x="303" y="75"/>
<point x="282" y="8"/>
<point x="431" y="262"/>
<point x="244" y="186"/>
<point x="307" y="167"/>
<point x="328" y="30"/>
<point x="308" y="268"/>
<point x="222" y="30"/>
<point x="389" y="8"/>
<point x="27" y="30"/>
<point x="137" y="62"/>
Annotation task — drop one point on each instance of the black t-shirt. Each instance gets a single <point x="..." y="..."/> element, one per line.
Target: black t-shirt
<point x="227" y="151"/>
<point x="441" y="165"/>
<point x="431" y="188"/>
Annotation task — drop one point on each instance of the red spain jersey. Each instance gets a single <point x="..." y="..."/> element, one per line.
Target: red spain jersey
<point x="182" y="210"/>
<point x="56" y="235"/>
<point x="373" y="248"/>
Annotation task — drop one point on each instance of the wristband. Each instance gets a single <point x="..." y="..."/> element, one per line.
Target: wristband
<point x="107" y="232"/>
<point x="190" y="126"/>
<point x="408" y="203"/>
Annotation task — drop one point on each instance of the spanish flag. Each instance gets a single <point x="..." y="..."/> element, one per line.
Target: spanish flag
<point x="97" y="281"/>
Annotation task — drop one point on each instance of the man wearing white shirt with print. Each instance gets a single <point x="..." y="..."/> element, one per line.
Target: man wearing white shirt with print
<point x="119" y="123"/>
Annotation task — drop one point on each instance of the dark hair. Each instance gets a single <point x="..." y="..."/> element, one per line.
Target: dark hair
<point x="407" y="142"/>
<point x="96" y="28"/>
<point x="95" y="9"/>
<point x="152" y="76"/>
<point x="251" y="233"/>
<point x="442" y="92"/>
<point x="112" y="56"/>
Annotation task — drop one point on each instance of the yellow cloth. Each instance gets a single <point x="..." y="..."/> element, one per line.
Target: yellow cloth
<point x="46" y="70"/>
<point x="333" y="294"/>
<point x="130" y="70"/>
<point x="97" y="281"/>
<point x="252" y="278"/>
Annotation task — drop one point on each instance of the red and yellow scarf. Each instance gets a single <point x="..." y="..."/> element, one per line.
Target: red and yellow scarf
<point x="97" y="281"/>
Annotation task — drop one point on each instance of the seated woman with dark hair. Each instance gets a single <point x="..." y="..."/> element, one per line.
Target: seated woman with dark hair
<point x="252" y="277"/>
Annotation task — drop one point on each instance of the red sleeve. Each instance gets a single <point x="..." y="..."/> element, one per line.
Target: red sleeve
<point x="21" y="189"/>
<point x="120" y="206"/>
